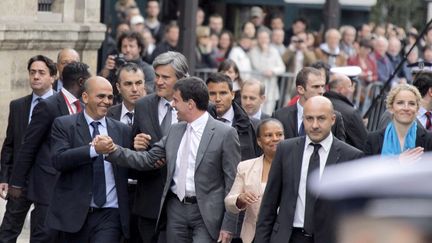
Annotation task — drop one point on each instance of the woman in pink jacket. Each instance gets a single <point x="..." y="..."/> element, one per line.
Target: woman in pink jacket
<point x="251" y="178"/>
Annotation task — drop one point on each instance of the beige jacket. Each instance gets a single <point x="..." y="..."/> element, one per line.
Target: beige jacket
<point x="248" y="178"/>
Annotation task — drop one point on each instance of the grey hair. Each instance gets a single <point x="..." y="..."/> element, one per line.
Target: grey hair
<point x="257" y="82"/>
<point x="176" y="60"/>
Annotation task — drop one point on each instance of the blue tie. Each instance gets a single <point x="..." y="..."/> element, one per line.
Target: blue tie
<point x="99" y="189"/>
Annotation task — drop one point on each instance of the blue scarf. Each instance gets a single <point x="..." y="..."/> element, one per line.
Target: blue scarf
<point x="391" y="145"/>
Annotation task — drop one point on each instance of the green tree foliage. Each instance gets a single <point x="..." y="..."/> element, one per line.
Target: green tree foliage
<point x="404" y="13"/>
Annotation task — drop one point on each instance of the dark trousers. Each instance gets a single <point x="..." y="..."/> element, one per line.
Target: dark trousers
<point x="134" y="234"/>
<point x="148" y="231"/>
<point x="185" y="224"/>
<point x="101" y="225"/>
<point x="299" y="236"/>
<point x="13" y="219"/>
<point x="39" y="231"/>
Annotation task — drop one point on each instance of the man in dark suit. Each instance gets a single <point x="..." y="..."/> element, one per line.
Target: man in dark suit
<point x="221" y="94"/>
<point x="201" y="155"/>
<point x="64" y="57"/>
<point x="153" y="118"/>
<point x="310" y="82"/>
<point x="42" y="72"/>
<point x="93" y="191"/>
<point x="252" y="95"/>
<point x="33" y="168"/>
<point x="130" y="84"/>
<point x="341" y="89"/>
<point x="289" y="212"/>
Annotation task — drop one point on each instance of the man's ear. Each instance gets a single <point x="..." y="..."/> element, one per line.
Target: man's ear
<point x="300" y="90"/>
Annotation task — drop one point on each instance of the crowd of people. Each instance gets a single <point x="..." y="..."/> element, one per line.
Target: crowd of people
<point x="146" y="152"/>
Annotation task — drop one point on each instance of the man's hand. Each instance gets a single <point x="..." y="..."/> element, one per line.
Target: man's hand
<point x="224" y="236"/>
<point x="3" y="190"/>
<point x="109" y="65"/>
<point x="15" y="192"/>
<point x="103" y="144"/>
<point x="160" y="163"/>
<point x="141" y="141"/>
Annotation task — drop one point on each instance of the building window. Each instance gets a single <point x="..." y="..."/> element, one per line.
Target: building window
<point x="44" y="5"/>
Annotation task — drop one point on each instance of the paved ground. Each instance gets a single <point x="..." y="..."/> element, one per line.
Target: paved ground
<point x="24" y="237"/>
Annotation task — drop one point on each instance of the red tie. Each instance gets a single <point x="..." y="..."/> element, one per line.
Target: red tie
<point x="428" y="120"/>
<point x="77" y="104"/>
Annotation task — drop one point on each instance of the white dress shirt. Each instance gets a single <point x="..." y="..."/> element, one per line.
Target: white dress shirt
<point x="307" y="152"/>
<point x="421" y="116"/>
<point x="123" y="117"/>
<point x="163" y="109"/>
<point x="257" y="115"/>
<point x="195" y="138"/>
<point x="229" y="116"/>
<point x="299" y="115"/>
<point x="70" y="99"/>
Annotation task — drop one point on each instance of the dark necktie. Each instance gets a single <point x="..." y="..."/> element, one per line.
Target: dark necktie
<point x="99" y="189"/>
<point x="301" y="130"/>
<point x="77" y="104"/>
<point x="38" y="99"/>
<point x="314" y="163"/>
<point x="428" y="120"/>
<point x="130" y="117"/>
<point x="222" y="119"/>
<point x="166" y="122"/>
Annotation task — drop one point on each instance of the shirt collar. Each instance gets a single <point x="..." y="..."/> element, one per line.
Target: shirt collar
<point x="200" y="122"/>
<point x="326" y="143"/>
<point x="70" y="97"/>
<point x="257" y="115"/>
<point x="421" y="111"/>
<point x="299" y="111"/>
<point x="90" y="120"/>
<point x="124" y="110"/>
<point x="229" y="115"/>
<point x="44" y="96"/>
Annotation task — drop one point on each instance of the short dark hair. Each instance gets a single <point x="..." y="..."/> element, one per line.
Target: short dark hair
<point x="195" y="89"/>
<point x="128" y="67"/>
<point x="265" y="121"/>
<point x="220" y="78"/>
<point x="170" y="25"/>
<point x="322" y="65"/>
<point x="73" y="72"/>
<point x="423" y="82"/>
<point x="303" y="20"/>
<point x="303" y="75"/>
<point x="48" y="62"/>
<point x="131" y="35"/>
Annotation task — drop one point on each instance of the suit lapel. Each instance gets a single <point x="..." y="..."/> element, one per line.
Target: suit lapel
<point x="113" y="132"/>
<point x="293" y="117"/>
<point x="62" y="104"/>
<point x="298" y="161"/>
<point x="154" y="115"/>
<point x="175" y="137"/>
<point x="205" y="140"/>
<point x="334" y="153"/>
<point x="83" y="129"/>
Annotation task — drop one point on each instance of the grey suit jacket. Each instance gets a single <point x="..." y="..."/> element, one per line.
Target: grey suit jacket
<point x="216" y="161"/>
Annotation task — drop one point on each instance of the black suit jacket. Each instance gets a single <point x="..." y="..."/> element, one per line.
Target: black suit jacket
<point x="276" y="217"/>
<point x="34" y="157"/>
<point x="150" y="183"/>
<point x="70" y="138"/>
<point x="19" y="111"/>
<point x="246" y="132"/>
<point x="115" y="112"/>
<point x="264" y="116"/>
<point x="355" y="129"/>
<point x="288" y="117"/>
<point x="374" y="141"/>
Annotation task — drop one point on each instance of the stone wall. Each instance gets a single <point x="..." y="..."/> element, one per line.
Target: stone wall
<point x="25" y="32"/>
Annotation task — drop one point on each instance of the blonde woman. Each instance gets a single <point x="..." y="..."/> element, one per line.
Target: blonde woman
<point x="403" y="135"/>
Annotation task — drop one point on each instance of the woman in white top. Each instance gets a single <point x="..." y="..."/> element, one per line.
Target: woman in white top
<point x="249" y="184"/>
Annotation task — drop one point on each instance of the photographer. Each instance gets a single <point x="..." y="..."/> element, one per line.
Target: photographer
<point x="131" y="47"/>
<point x="297" y="55"/>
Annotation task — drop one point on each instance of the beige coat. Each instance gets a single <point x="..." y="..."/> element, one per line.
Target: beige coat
<point x="248" y="178"/>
